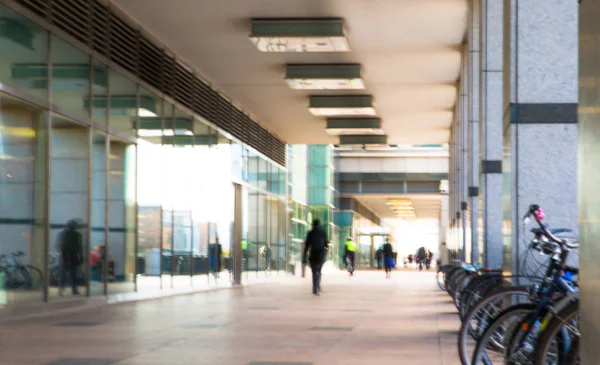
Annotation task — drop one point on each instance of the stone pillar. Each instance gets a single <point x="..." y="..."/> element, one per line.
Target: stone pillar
<point x="490" y="188"/>
<point x="463" y="130"/>
<point x="473" y="128"/>
<point x="540" y="123"/>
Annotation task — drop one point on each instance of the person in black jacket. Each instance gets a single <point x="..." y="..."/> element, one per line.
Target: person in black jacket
<point x="71" y="248"/>
<point x="388" y="254"/>
<point x="314" y="253"/>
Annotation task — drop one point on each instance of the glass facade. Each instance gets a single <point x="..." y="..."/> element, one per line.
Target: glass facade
<point x="108" y="188"/>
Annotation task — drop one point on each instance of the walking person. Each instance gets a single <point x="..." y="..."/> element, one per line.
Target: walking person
<point x="350" y="255"/>
<point x="420" y="256"/>
<point x="314" y="254"/>
<point x="388" y="257"/>
<point x="71" y="248"/>
<point x="379" y="258"/>
<point x="428" y="259"/>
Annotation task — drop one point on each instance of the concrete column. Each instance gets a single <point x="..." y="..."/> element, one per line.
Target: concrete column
<point x="490" y="188"/>
<point x="463" y="131"/>
<point x="473" y="128"/>
<point x="541" y="95"/>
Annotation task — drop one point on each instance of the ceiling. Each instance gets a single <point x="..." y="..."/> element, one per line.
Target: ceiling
<point x="409" y="50"/>
<point x="426" y="205"/>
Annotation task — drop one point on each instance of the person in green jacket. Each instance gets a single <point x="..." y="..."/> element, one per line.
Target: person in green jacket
<point x="350" y="255"/>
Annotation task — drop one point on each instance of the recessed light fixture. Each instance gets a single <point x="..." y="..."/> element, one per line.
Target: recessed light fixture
<point x="299" y="35"/>
<point x="342" y="105"/>
<point x="324" y="77"/>
<point x="339" y="126"/>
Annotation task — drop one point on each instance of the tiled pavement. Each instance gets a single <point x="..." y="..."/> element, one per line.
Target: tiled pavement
<point x="361" y="320"/>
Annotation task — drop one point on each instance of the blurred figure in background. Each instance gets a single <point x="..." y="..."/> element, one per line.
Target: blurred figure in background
<point x="314" y="253"/>
<point x="388" y="257"/>
<point x="71" y="248"/>
<point x="428" y="259"/>
<point x="379" y="258"/>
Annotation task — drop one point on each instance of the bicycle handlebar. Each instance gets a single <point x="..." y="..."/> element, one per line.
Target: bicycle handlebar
<point x="539" y="216"/>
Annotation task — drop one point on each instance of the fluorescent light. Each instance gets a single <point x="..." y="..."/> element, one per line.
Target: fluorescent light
<point x="327" y="112"/>
<point x="326" y="84"/>
<point x="341" y="131"/>
<point x="146" y="113"/>
<point x="301" y="44"/>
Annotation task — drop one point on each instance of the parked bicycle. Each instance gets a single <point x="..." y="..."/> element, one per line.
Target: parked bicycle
<point x="19" y="276"/>
<point x="504" y="322"/>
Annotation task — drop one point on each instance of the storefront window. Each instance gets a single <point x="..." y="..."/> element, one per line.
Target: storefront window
<point x="70" y="79"/>
<point x="23" y="197"/>
<point x="121" y="216"/>
<point x="69" y="194"/>
<point x="150" y="197"/>
<point x="99" y="265"/>
<point x="123" y="105"/>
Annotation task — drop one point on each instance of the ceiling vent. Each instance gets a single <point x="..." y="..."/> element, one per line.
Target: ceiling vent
<point x="342" y="105"/>
<point x="366" y="139"/>
<point x="299" y="35"/>
<point x="324" y="77"/>
<point x="354" y="126"/>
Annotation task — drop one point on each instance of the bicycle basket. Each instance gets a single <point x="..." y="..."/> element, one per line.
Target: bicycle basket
<point x="534" y="264"/>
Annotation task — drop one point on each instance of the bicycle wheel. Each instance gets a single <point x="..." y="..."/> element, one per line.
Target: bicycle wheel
<point x="493" y="344"/>
<point x="442" y="271"/>
<point x="553" y="345"/>
<point x="481" y="315"/>
<point x="17" y="278"/>
<point x="36" y="277"/>
<point x="475" y="291"/>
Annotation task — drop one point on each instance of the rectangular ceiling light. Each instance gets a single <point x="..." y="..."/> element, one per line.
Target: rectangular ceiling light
<point x="299" y="35"/>
<point x="363" y="139"/>
<point x="338" y="126"/>
<point x="324" y="77"/>
<point x="342" y="105"/>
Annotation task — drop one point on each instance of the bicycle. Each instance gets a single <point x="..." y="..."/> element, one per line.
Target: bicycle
<point x="349" y="265"/>
<point x="511" y="336"/>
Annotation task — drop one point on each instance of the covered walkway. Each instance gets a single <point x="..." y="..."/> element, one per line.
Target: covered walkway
<point x="363" y="320"/>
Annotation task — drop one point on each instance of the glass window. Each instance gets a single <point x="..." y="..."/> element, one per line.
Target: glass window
<point x="249" y="246"/>
<point x="69" y="194"/>
<point x="70" y="78"/>
<point x="98" y="255"/>
<point x="99" y="94"/>
<point x="149" y="195"/>
<point x="121" y="217"/>
<point x="123" y="104"/>
<point x="180" y="185"/>
<point x="24" y="50"/>
<point x="23" y="186"/>
<point x="273" y="239"/>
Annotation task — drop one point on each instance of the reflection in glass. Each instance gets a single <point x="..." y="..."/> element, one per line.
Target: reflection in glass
<point x="149" y="194"/>
<point x="121" y="217"/>
<point x="22" y="201"/>
<point x="97" y="257"/>
<point x="69" y="171"/>
<point x="123" y="104"/>
<point x="99" y="93"/>
<point x="71" y="78"/>
<point x="24" y="50"/>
